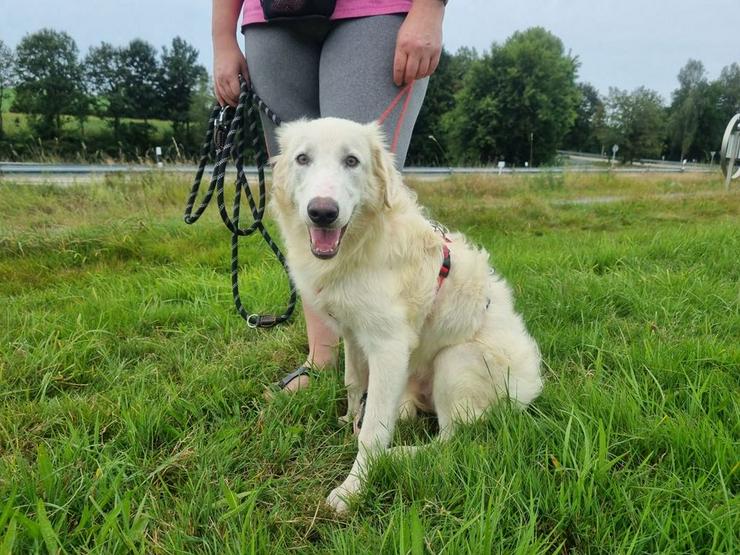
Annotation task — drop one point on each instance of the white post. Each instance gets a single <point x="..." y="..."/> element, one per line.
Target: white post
<point x="730" y="151"/>
<point x="733" y="151"/>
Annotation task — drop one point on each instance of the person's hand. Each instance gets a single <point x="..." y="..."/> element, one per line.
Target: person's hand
<point x="419" y="42"/>
<point x="228" y="64"/>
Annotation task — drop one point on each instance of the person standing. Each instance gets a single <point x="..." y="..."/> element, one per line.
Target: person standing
<point x="368" y="60"/>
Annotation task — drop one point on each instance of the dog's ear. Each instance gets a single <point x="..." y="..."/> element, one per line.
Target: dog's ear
<point x="384" y="170"/>
<point x="279" y="187"/>
<point x="280" y="163"/>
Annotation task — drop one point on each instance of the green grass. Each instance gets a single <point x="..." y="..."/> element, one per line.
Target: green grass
<point x="131" y="409"/>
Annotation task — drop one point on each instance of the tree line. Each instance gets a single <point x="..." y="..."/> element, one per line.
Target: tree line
<point x="519" y="102"/>
<point x="127" y="86"/>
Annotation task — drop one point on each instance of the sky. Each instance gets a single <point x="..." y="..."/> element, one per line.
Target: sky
<point x="624" y="44"/>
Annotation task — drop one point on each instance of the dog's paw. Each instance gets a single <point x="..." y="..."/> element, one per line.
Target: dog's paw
<point x="346" y="419"/>
<point x="407" y="410"/>
<point x="338" y="500"/>
<point x="340" y="497"/>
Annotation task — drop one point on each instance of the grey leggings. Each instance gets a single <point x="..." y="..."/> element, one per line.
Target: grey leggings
<point x="344" y="68"/>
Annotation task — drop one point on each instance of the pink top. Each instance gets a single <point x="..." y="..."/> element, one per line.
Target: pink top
<point x="252" y="9"/>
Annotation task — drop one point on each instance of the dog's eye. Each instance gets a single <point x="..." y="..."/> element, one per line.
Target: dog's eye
<point x="302" y="159"/>
<point x="351" y="161"/>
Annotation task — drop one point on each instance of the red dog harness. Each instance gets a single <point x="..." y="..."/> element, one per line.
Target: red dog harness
<point x="444" y="270"/>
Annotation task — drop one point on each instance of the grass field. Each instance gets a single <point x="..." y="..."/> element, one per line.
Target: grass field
<point x="132" y="416"/>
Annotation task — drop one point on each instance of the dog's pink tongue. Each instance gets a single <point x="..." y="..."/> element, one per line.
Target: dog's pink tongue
<point x="325" y="240"/>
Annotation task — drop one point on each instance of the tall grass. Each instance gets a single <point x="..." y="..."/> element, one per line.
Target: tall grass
<point x="132" y="416"/>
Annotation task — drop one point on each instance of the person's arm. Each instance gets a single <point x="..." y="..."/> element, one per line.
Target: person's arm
<point x="228" y="59"/>
<point x="419" y="42"/>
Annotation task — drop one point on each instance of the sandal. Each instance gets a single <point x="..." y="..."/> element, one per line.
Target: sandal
<point x="302" y="370"/>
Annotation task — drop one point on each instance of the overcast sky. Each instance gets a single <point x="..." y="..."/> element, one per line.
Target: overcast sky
<point x="621" y="43"/>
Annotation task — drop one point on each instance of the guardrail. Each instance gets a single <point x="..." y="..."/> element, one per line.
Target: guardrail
<point x="598" y="158"/>
<point x="29" y="169"/>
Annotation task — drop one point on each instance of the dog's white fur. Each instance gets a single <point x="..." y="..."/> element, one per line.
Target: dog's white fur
<point x="454" y="351"/>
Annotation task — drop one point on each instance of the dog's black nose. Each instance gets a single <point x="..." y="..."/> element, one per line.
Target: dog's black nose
<point x="323" y="211"/>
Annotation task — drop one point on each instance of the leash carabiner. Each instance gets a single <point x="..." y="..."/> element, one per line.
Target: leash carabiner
<point x="220" y="129"/>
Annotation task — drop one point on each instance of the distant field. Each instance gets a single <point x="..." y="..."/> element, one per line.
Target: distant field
<point x="132" y="416"/>
<point x="16" y="125"/>
<point x="93" y="141"/>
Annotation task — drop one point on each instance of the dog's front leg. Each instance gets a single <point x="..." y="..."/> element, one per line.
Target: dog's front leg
<point x="355" y="376"/>
<point x="388" y="375"/>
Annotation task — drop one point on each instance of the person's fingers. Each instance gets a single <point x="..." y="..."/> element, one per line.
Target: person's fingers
<point x="220" y="92"/>
<point x="215" y="91"/>
<point x="434" y="63"/>
<point x="412" y="69"/>
<point x="223" y="94"/>
<point x="423" y="70"/>
<point x="244" y="71"/>
<point x="399" y="67"/>
<point x="234" y="90"/>
<point x="226" y="92"/>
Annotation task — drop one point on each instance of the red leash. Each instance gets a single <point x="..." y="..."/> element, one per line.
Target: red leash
<point x="404" y="93"/>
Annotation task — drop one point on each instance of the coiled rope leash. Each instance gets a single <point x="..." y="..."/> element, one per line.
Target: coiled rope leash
<point x="227" y="130"/>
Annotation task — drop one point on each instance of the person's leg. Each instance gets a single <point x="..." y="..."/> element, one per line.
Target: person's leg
<point x="356" y="82"/>
<point x="356" y="78"/>
<point x="283" y="61"/>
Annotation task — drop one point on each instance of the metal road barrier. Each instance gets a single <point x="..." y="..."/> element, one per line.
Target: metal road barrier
<point x="16" y="170"/>
<point x="730" y="153"/>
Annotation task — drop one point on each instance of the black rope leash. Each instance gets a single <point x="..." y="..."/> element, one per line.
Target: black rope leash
<point x="225" y="140"/>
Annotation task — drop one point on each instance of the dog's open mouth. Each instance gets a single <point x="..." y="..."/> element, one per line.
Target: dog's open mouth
<point x="325" y="241"/>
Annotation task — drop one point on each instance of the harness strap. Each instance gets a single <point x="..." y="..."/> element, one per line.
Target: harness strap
<point x="444" y="270"/>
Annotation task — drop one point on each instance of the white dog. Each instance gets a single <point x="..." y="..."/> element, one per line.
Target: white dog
<point x="426" y="323"/>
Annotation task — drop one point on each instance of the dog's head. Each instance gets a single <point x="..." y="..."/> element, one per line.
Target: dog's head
<point x="330" y="172"/>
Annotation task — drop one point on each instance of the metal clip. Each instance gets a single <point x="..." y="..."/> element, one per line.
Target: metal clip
<point x="267" y="321"/>
<point x="220" y="129"/>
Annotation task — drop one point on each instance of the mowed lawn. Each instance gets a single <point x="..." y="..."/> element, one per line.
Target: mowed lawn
<point x="132" y="416"/>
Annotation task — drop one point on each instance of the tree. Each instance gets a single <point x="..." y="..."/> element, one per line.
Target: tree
<point x="729" y="89"/>
<point x="636" y="122"/>
<point x="722" y="101"/>
<point x="7" y="76"/>
<point x="428" y="144"/>
<point x="105" y="77"/>
<point x="583" y="135"/>
<point x="49" y="79"/>
<point x="690" y="106"/>
<point x="201" y="105"/>
<point x="179" y="80"/>
<point x="140" y="73"/>
<point x="517" y="102"/>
